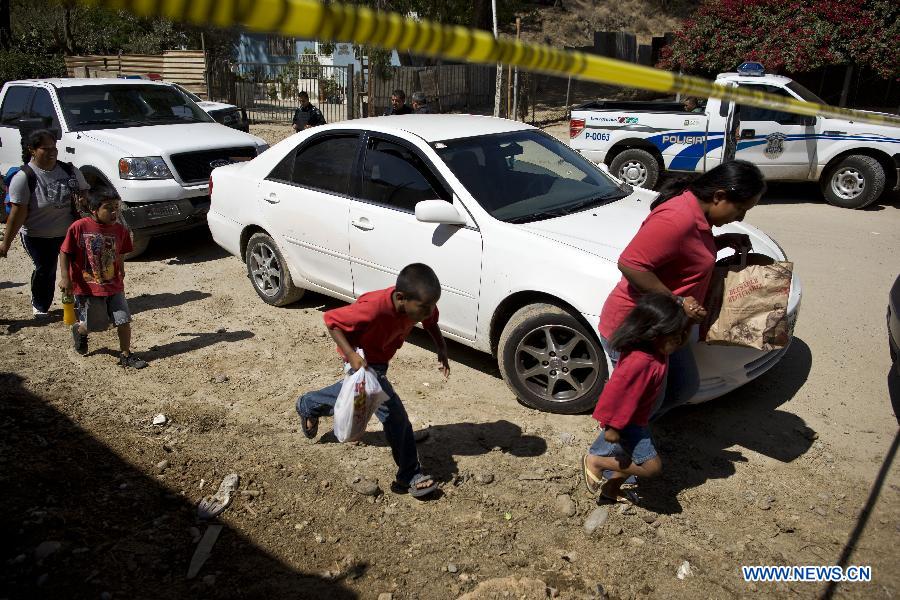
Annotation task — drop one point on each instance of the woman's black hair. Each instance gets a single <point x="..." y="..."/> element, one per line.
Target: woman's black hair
<point x="32" y="140"/>
<point x="655" y="315"/>
<point x="740" y="179"/>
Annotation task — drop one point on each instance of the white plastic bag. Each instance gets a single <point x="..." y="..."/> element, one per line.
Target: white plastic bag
<point x="360" y="397"/>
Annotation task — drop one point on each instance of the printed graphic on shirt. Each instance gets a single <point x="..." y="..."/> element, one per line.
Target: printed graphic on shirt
<point x="59" y="193"/>
<point x="99" y="258"/>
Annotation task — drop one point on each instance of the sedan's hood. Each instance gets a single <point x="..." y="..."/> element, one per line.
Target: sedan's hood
<point x="164" y="140"/>
<point x="604" y="231"/>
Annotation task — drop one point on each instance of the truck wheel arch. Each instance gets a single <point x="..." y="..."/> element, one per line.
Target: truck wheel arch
<point x="638" y="143"/>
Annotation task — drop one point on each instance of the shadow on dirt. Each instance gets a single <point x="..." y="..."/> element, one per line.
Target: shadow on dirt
<point x="183" y="248"/>
<point x="78" y="520"/>
<point x="54" y="318"/>
<point x="445" y="442"/>
<point x="695" y="442"/>
<point x="164" y="300"/>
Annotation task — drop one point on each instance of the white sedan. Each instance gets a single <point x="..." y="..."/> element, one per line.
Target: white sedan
<point x="523" y="232"/>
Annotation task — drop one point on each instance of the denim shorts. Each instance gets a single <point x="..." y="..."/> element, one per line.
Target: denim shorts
<point x="97" y="312"/>
<point x="635" y="443"/>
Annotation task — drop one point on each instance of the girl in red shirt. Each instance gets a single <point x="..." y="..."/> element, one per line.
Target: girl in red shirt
<point x="654" y="329"/>
<point x="674" y="253"/>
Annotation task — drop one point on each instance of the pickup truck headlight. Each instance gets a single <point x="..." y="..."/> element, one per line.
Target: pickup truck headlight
<point x="146" y="167"/>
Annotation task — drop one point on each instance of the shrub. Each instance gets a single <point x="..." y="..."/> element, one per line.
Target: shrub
<point x="15" y="64"/>
<point x="796" y="36"/>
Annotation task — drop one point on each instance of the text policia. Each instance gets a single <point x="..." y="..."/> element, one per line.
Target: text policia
<point x="310" y="19"/>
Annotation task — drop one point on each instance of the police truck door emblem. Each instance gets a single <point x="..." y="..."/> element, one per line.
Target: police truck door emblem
<point x="774" y="145"/>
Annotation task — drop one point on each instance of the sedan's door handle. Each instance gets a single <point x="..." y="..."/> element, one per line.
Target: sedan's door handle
<point x="272" y="198"/>
<point x="362" y="223"/>
<point x="748" y="133"/>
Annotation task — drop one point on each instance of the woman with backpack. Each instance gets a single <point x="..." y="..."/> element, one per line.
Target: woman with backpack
<point x="42" y="199"/>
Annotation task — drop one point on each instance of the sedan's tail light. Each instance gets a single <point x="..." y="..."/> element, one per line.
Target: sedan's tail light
<point x="576" y="126"/>
<point x="210" y="187"/>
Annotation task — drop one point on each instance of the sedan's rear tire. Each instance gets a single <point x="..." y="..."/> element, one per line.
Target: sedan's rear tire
<point x="269" y="273"/>
<point x="551" y="361"/>
<point x="636" y="167"/>
<point x="855" y="182"/>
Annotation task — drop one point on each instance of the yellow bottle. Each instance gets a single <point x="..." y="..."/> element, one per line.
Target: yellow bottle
<point x="68" y="303"/>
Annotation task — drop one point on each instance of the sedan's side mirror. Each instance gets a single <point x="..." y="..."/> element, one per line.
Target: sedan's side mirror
<point x="438" y="211"/>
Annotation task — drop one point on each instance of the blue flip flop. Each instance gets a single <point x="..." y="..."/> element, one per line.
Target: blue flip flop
<point x="417" y="492"/>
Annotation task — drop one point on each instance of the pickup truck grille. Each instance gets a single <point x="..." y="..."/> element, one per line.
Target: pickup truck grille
<point x="193" y="167"/>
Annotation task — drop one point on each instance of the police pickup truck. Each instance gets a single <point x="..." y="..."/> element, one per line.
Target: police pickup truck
<point x="145" y="139"/>
<point x="854" y="163"/>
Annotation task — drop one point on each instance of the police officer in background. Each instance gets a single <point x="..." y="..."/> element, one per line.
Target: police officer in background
<point x="398" y="104"/>
<point x="307" y="115"/>
<point x="420" y="104"/>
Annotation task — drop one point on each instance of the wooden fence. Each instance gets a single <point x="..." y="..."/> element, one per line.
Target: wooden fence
<point x="184" y="67"/>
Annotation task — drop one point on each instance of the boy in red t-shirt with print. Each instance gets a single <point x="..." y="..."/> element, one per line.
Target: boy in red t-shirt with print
<point x="378" y="323"/>
<point x="91" y="266"/>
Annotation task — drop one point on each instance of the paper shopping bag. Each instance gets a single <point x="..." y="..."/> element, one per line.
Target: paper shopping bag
<point x="747" y="305"/>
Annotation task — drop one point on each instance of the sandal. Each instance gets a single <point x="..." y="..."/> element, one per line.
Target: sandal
<point x="79" y="340"/>
<point x="624" y="497"/>
<point x="309" y="432"/>
<point x="417" y="492"/>
<point x="591" y="481"/>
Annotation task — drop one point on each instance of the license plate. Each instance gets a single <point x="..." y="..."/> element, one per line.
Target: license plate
<point x="163" y="210"/>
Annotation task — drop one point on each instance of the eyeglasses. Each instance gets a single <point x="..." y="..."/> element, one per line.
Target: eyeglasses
<point x="48" y="148"/>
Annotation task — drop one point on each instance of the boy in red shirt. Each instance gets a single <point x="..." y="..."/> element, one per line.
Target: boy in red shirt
<point x="654" y="329"/>
<point x="378" y="323"/>
<point x="91" y="266"/>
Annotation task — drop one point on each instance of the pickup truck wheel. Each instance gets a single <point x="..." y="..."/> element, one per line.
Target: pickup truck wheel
<point x="551" y="361"/>
<point x="269" y="273"/>
<point x="855" y="182"/>
<point x="636" y="167"/>
<point x="139" y="245"/>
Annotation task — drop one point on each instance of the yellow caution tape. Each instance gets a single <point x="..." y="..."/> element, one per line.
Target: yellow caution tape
<point x="311" y="19"/>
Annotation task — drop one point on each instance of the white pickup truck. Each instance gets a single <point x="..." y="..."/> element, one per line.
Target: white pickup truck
<point x="147" y="140"/>
<point x="854" y="163"/>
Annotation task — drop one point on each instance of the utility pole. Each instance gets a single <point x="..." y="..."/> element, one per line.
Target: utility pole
<point x="499" y="66"/>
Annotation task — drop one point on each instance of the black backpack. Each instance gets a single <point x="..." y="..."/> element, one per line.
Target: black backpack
<point x="69" y="168"/>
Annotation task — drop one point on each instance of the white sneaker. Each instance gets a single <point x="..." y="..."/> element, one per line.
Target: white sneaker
<point x="39" y="314"/>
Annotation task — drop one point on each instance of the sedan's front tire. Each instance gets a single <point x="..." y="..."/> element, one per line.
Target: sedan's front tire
<point x="269" y="273"/>
<point x="551" y="361"/>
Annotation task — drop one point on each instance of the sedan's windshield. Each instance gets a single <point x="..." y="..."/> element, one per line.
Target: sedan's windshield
<point x="109" y="106"/>
<point x="524" y="176"/>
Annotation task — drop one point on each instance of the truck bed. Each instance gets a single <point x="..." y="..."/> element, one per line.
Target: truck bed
<point x="633" y="106"/>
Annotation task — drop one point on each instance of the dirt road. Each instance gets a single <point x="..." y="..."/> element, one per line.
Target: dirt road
<point x="99" y="503"/>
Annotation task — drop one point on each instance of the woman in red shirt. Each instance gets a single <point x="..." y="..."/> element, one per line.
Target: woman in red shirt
<point x="674" y="253"/>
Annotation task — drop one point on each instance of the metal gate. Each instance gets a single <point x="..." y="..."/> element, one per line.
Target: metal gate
<point x="269" y="91"/>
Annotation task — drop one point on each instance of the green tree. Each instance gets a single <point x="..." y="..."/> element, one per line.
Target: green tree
<point x="795" y="36"/>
